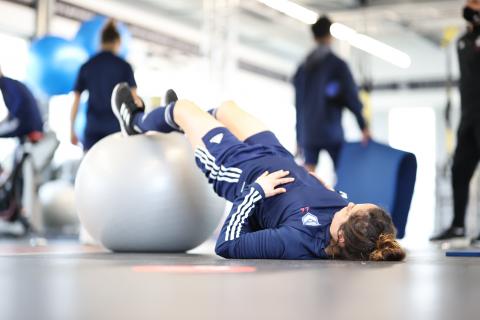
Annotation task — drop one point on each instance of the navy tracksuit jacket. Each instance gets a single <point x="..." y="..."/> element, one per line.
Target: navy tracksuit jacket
<point x="23" y="114"/>
<point x="323" y="86"/>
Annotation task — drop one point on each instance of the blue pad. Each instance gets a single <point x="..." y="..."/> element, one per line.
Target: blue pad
<point x="462" y="253"/>
<point x="378" y="174"/>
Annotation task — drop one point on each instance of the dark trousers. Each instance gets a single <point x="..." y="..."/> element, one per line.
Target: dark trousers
<point x="467" y="154"/>
<point x="311" y="154"/>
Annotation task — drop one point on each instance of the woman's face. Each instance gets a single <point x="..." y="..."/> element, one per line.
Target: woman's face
<point x="344" y="214"/>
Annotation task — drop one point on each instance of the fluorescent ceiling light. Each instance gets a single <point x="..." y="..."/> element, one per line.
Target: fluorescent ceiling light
<point x="344" y="33"/>
<point x="293" y="10"/>
<point x="371" y="45"/>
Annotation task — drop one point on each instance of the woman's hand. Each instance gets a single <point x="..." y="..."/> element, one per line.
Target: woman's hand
<point x="366" y="137"/>
<point x="268" y="182"/>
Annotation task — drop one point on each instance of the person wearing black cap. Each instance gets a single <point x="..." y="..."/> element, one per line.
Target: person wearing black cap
<point x="467" y="152"/>
<point x="323" y="87"/>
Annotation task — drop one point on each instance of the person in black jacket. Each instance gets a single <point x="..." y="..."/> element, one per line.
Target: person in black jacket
<point x="323" y="86"/>
<point x="467" y="152"/>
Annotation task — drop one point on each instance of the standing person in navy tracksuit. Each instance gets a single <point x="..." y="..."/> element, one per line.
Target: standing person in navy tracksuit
<point x="24" y="119"/>
<point x="98" y="76"/>
<point x="280" y="211"/>
<point x="323" y="86"/>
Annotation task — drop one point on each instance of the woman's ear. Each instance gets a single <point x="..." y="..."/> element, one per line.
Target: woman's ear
<point x="341" y="239"/>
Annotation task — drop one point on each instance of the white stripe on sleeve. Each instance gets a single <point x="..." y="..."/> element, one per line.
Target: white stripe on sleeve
<point x="245" y="210"/>
<point x="233" y="217"/>
<point x="246" y="214"/>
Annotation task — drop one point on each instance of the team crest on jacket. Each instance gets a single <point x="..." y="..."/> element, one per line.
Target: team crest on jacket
<point x="310" y="220"/>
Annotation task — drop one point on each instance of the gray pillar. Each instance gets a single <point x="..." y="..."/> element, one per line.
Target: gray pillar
<point x="220" y="39"/>
<point x="44" y="14"/>
<point x="43" y="18"/>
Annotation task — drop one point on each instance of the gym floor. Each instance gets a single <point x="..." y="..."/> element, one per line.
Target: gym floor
<point x="65" y="280"/>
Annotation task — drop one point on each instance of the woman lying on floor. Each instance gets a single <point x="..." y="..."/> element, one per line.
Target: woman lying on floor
<point x="280" y="211"/>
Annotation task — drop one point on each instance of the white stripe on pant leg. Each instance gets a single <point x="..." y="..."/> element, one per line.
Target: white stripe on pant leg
<point x="245" y="215"/>
<point x="215" y="173"/>
<point x="236" y="212"/>
<point x="206" y="164"/>
<point x="206" y="160"/>
<point x="231" y="169"/>
<point x="212" y="158"/>
<point x="228" y="174"/>
<point x="207" y="153"/>
<point x="247" y="209"/>
<point x="222" y="172"/>
<point x="230" y="180"/>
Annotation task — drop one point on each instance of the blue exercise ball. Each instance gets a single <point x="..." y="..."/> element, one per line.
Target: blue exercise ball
<point x="89" y="35"/>
<point x="53" y="65"/>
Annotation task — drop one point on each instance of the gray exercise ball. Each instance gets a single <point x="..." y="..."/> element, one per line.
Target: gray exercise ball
<point x="144" y="193"/>
<point x="57" y="199"/>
